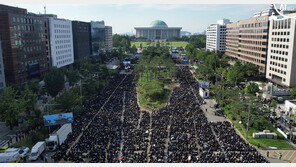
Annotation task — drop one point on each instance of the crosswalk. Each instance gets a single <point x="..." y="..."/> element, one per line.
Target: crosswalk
<point x="282" y="155"/>
<point x="3" y="143"/>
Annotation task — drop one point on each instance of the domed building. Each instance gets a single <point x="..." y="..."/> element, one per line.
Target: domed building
<point x="158" y="30"/>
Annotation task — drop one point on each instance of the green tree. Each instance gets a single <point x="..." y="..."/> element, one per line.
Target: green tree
<point x="10" y="108"/>
<point x="73" y="76"/>
<point x="250" y="69"/>
<point x="252" y="88"/>
<point x="235" y="76"/>
<point x="293" y="92"/>
<point x="68" y="99"/>
<point x="28" y="100"/>
<point x="134" y="49"/>
<point x="273" y="104"/>
<point x="91" y="87"/>
<point x="54" y="81"/>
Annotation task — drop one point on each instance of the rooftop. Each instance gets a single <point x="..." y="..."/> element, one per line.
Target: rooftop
<point x="158" y="24"/>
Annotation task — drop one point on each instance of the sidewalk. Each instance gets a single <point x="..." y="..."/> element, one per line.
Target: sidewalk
<point x="209" y="111"/>
<point x="6" y="134"/>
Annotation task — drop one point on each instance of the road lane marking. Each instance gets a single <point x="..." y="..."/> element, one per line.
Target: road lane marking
<point x="291" y="155"/>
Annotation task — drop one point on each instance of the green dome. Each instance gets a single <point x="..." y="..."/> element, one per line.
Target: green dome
<point x="158" y="24"/>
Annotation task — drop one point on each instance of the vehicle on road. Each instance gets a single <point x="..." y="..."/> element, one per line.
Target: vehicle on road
<point x="22" y="151"/>
<point x="9" y="157"/>
<point x="58" y="137"/>
<point x="37" y="150"/>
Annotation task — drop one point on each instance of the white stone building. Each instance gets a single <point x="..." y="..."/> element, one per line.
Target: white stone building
<point x="61" y="42"/>
<point x="281" y="60"/>
<point x="159" y="31"/>
<point x="216" y="36"/>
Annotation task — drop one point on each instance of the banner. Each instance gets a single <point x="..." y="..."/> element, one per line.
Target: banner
<point x="58" y="119"/>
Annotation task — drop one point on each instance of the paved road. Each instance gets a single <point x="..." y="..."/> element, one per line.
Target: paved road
<point x="288" y="156"/>
<point x="209" y="111"/>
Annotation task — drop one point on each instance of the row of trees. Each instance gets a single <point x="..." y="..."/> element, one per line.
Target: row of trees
<point x="19" y="103"/>
<point x="123" y="43"/>
<point x="155" y="63"/>
<point x="155" y="70"/>
<point x="239" y="104"/>
<point x="214" y="67"/>
<point x="15" y="104"/>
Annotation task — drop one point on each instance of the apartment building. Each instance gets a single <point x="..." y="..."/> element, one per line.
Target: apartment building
<point x="247" y="41"/>
<point x="216" y="36"/>
<point x="23" y="44"/>
<point x="281" y="64"/>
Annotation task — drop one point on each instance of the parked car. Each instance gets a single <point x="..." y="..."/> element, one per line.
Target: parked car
<point x="24" y="151"/>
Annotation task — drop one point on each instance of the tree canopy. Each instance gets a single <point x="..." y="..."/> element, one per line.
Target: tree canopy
<point x="54" y="81"/>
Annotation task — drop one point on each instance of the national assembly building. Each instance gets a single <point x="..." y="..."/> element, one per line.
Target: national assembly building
<point x="158" y="30"/>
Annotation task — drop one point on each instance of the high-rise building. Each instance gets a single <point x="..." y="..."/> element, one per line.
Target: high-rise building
<point x="108" y="38"/>
<point x="61" y="41"/>
<point x="216" y="36"/>
<point x="246" y="41"/>
<point x="101" y="37"/>
<point x="2" y="75"/>
<point x="23" y="44"/>
<point x="281" y="64"/>
<point x="81" y="40"/>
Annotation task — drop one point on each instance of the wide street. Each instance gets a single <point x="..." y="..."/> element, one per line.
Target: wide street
<point x="117" y="130"/>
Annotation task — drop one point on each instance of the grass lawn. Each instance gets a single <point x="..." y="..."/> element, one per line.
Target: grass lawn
<point x="264" y="143"/>
<point x="144" y="102"/>
<point x="173" y="44"/>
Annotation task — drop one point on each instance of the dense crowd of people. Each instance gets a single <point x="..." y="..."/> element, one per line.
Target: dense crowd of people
<point x="115" y="129"/>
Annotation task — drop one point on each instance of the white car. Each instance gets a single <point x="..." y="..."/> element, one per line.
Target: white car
<point x="23" y="151"/>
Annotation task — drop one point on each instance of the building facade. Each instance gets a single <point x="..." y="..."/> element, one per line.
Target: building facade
<point x="101" y="37"/>
<point x="61" y="42"/>
<point x="2" y="75"/>
<point x="216" y="36"/>
<point x="108" y="38"/>
<point x="247" y="41"/>
<point x="23" y="43"/>
<point x="281" y="64"/>
<point x="158" y="30"/>
<point x="81" y="40"/>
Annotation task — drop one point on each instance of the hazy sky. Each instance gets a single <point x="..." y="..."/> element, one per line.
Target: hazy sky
<point x="123" y="18"/>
